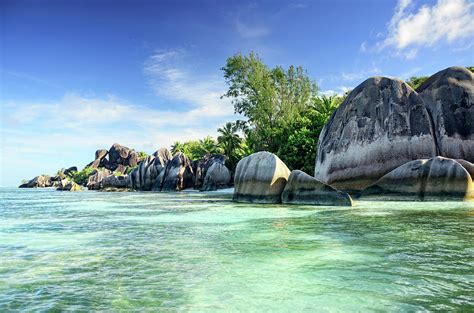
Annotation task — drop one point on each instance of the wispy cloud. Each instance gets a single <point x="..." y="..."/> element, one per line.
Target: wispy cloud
<point x="247" y="30"/>
<point x="48" y="135"/>
<point x="409" y="30"/>
<point x="28" y="77"/>
<point x="361" y="74"/>
<point x="171" y="79"/>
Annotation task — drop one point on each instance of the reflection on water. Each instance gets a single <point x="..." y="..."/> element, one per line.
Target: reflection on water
<point x="197" y="252"/>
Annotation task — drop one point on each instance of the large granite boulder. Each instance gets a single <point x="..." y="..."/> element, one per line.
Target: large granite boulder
<point x="381" y="125"/>
<point x="203" y="165"/>
<point x="217" y="177"/>
<point x="100" y="154"/>
<point x="100" y="159"/>
<point x="94" y="181"/>
<point x="41" y="181"/>
<point x="114" y="182"/>
<point x="177" y="175"/>
<point x="438" y="178"/>
<point x="304" y="189"/>
<point x="260" y="178"/>
<point x="119" y="154"/>
<point x="69" y="172"/>
<point x="67" y="185"/>
<point x="145" y="175"/>
<point x="449" y="96"/>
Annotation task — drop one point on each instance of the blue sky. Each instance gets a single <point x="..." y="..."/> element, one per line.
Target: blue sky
<point x="76" y="75"/>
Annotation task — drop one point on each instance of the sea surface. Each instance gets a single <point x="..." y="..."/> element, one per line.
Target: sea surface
<point x="195" y="252"/>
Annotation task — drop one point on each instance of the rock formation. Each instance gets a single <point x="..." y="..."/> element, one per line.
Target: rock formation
<point x="114" y="182"/>
<point x="100" y="160"/>
<point x="304" y="189"/>
<point x="145" y="175"/>
<point x="177" y="175"/>
<point x="94" y="182"/>
<point x="260" y="178"/>
<point x="67" y="185"/>
<point x="449" y="97"/>
<point x="438" y="178"/>
<point x="41" y="181"/>
<point x="217" y="177"/>
<point x="119" y="154"/>
<point x="203" y="165"/>
<point x="381" y="125"/>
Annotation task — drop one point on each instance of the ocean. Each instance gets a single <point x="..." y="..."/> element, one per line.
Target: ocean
<point x="200" y="252"/>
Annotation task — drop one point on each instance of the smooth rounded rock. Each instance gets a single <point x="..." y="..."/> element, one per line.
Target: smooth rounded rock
<point x="260" y="178"/>
<point x="433" y="179"/>
<point x="217" y="177"/>
<point x="302" y="188"/>
<point x="381" y="125"/>
<point x="449" y="96"/>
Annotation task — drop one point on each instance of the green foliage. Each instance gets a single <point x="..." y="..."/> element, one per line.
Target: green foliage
<point x="130" y="169"/>
<point x="268" y="98"/>
<point x="416" y="82"/>
<point x="142" y="155"/>
<point x="284" y="114"/>
<point x="81" y="177"/>
<point x="471" y="68"/>
<point x="231" y="144"/>
<point x="298" y="141"/>
<point x="196" y="149"/>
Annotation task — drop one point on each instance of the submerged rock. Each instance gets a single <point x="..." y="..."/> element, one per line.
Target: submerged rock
<point x="260" y="178"/>
<point x="217" y="177"/>
<point x="438" y="178"/>
<point x="381" y="125"/>
<point x="304" y="189"/>
<point x="449" y="96"/>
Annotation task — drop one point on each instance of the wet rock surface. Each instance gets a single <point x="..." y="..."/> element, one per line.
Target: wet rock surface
<point x="260" y="178"/>
<point x="438" y="178"/>
<point x="381" y="125"/>
<point x="302" y="188"/>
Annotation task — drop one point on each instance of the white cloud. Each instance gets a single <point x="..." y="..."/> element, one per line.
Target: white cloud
<point x="447" y="20"/>
<point x="359" y="75"/>
<point x="251" y="31"/>
<point x="170" y="79"/>
<point x="341" y="90"/>
<point x="40" y="137"/>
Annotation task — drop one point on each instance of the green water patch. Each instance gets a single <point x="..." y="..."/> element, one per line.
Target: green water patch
<point x="199" y="252"/>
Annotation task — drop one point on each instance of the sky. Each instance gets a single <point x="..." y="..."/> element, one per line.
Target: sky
<point x="76" y="76"/>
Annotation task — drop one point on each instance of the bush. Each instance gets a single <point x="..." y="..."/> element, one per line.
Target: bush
<point x="81" y="177"/>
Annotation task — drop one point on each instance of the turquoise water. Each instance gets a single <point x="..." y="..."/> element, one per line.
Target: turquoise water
<point x="195" y="252"/>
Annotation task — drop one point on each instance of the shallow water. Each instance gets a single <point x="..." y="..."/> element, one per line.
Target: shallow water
<point x="197" y="252"/>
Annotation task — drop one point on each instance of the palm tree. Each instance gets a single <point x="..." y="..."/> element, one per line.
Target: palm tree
<point x="177" y="147"/>
<point x="230" y="141"/>
<point x="208" y="145"/>
<point x="324" y="106"/>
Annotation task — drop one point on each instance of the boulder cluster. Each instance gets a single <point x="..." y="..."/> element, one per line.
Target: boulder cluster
<point x="121" y="169"/>
<point x="386" y="141"/>
<point x="62" y="181"/>
<point x="117" y="158"/>
<point x="263" y="178"/>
